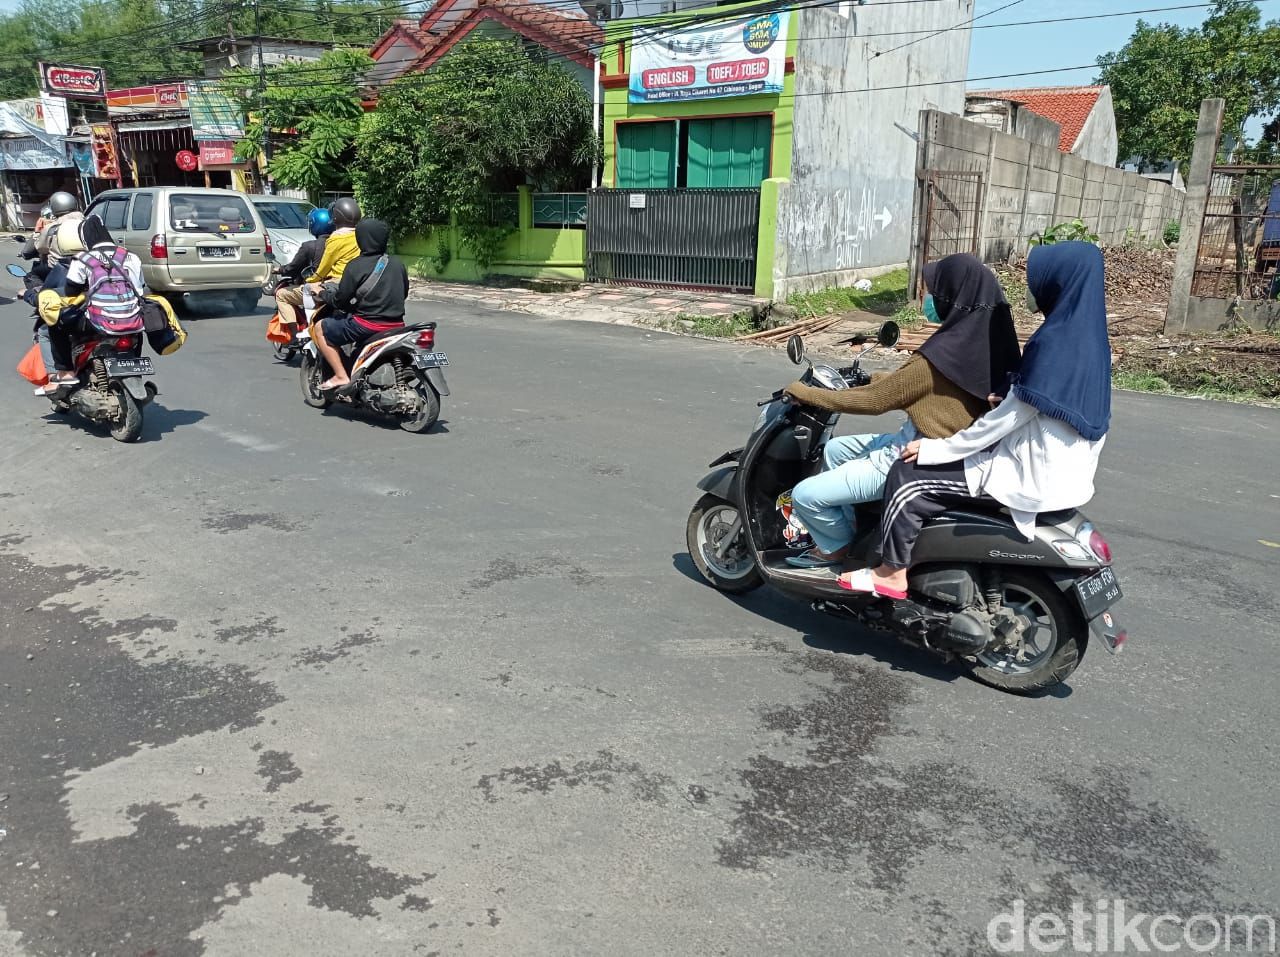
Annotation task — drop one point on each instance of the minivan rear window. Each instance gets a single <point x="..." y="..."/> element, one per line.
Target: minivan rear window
<point x="284" y="215"/>
<point x="205" y="213"/>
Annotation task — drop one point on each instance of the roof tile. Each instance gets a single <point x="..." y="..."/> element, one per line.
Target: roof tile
<point x="1068" y="106"/>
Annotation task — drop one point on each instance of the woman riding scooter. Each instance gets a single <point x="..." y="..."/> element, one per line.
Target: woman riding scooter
<point x="1038" y="451"/>
<point x="943" y="388"/>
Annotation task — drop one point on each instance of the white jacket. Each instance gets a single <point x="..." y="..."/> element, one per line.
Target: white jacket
<point x="1025" y="460"/>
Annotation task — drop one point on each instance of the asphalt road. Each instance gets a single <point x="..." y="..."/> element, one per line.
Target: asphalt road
<point x="277" y="681"/>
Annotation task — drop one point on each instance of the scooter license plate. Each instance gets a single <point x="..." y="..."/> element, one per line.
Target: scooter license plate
<point x="1098" y="592"/>
<point x="429" y="360"/>
<point x="130" y="366"/>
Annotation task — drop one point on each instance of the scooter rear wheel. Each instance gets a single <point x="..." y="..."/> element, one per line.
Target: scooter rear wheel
<point x="710" y="522"/>
<point x="428" y="412"/>
<point x="1053" y="642"/>
<point x="128" y="427"/>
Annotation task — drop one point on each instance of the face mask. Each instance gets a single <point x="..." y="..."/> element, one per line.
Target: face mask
<point x="1032" y="305"/>
<point x="931" y="311"/>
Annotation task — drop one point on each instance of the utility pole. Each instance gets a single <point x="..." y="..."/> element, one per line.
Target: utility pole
<point x="262" y="98"/>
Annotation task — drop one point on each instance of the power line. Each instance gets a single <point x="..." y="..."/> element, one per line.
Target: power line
<point x="963" y="23"/>
<point x="929" y="33"/>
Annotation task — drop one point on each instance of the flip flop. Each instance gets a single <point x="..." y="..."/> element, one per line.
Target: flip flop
<point x="862" y="582"/>
<point x="330" y="386"/>
<point x="810" y="559"/>
<point x="347" y="388"/>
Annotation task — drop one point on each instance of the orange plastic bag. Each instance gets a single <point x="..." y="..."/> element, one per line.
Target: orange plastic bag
<point x="276" y="332"/>
<point x="32" y="367"/>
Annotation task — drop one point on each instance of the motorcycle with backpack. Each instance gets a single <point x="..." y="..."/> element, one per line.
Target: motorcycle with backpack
<point x="1016" y="615"/>
<point x="112" y="384"/>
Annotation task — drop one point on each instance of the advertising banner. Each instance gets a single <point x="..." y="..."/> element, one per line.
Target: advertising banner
<point x="77" y="82"/>
<point x="214" y="116"/>
<point x="24" y="144"/>
<point x="104" y="151"/>
<point x="218" y="155"/>
<point x="56" y="120"/>
<point x="170" y="96"/>
<point x="739" y="58"/>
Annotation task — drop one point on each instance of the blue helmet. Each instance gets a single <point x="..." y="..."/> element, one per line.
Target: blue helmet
<point x="319" y="222"/>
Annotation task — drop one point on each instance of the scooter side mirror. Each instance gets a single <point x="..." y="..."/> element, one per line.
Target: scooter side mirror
<point x="16" y="271"/>
<point x="889" y="334"/>
<point x="795" y="349"/>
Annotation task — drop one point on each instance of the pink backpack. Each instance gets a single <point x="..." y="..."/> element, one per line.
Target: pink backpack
<point x="113" y="305"/>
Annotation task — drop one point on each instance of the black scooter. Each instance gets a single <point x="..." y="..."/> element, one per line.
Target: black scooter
<point x="1014" y="614"/>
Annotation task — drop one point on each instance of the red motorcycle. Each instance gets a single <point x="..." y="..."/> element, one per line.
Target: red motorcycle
<point x="110" y="387"/>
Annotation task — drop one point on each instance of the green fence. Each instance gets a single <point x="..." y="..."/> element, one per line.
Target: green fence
<point x="546" y="241"/>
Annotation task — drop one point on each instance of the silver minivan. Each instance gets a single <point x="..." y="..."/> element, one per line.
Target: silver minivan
<point x="192" y="241"/>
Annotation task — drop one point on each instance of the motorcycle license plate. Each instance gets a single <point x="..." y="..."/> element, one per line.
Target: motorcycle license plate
<point x="430" y="359"/>
<point x="1098" y="592"/>
<point x="130" y="366"/>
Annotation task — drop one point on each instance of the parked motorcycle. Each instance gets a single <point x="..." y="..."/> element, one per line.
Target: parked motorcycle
<point x="110" y="389"/>
<point x="1014" y="614"/>
<point x="396" y="374"/>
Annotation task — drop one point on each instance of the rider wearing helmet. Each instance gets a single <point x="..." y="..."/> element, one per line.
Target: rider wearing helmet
<point x="65" y="241"/>
<point x="64" y="208"/>
<point x="340" y="248"/>
<point x="307" y="259"/>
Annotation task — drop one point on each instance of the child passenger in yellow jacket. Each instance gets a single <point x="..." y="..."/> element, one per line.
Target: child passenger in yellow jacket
<point x="339" y="249"/>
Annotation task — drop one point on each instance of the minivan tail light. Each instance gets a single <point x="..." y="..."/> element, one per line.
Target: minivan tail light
<point x="427" y="339"/>
<point x="266" y="238"/>
<point x="159" y="248"/>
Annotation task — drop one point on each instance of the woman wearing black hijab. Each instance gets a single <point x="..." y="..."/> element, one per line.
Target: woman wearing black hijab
<point x="943" y="389"/>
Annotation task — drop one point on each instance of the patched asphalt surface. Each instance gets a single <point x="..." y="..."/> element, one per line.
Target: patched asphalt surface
<point x="278" y="681"/>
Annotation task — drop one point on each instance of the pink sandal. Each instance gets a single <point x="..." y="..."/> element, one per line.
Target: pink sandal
<point x="861" y="581"/>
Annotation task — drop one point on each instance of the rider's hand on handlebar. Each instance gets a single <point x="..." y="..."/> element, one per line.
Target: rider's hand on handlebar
<point x="994" y="400"/>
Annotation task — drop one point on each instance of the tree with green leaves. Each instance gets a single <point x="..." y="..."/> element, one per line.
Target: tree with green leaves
<point x="138" y="41"/>
<point x="313" y="110"/>
<point x="487" y="118"/>
<point x="1163" y="73"/>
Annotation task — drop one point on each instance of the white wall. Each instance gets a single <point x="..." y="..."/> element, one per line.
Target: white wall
<point x="1099" y="140"/>
<point x="847" y="212"/>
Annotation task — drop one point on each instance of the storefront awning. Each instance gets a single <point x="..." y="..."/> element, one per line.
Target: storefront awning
<point x="142" y="126"/>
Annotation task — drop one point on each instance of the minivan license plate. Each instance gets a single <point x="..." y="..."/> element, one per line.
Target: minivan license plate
<point x="1098" y="592"/>
<point x="217" y="252"/>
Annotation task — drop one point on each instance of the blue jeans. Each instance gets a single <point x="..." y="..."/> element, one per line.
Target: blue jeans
<point x="46" y="348"/>
<point x="855" y="467"/>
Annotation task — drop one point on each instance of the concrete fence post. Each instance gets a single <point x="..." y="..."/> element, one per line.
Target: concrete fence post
<point x="767" y="236"/>
<point x="1023" y="238"/>
<point x="1199" y="179"/>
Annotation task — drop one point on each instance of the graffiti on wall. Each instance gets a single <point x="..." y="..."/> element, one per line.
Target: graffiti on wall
<point x="836" y="226"/>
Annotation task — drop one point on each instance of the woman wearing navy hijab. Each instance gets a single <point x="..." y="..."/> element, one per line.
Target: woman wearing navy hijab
<point x="1035" y="452"/>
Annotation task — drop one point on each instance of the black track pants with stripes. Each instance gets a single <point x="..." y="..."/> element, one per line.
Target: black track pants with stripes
<point x="913" y="494"/>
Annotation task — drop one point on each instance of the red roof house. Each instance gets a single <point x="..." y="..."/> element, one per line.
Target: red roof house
<point x="1085" y="116"/>
<point x="414" y="46"/>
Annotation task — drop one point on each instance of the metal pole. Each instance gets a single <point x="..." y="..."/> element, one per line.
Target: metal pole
<point x="262" y="98"/>
<point x="595" y="116"/>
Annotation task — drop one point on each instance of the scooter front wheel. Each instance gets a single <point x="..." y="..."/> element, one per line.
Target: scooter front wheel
<point x="718" y="547"/>
<point x="311" y="374"/>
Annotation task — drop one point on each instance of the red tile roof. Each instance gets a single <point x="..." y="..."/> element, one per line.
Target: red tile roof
<point x="1068" y="106"/>
<point x="560" y="29"/>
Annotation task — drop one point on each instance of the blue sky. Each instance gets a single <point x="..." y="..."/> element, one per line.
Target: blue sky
<point x="1019" y="49"/>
